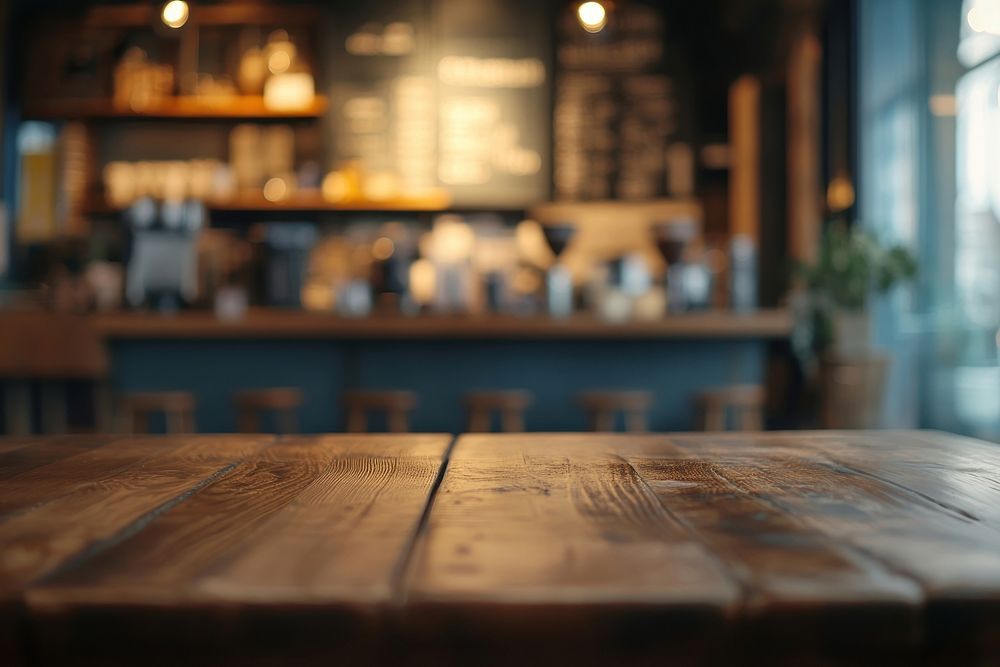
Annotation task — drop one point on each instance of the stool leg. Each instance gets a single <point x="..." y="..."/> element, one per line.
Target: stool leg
<point x="512" y="421"/>
<point x="750" y="419"/>
<point x="713" y="419"/>
<point x="55" y="418"/>
<point x="604" y="421"/>
<point x="247" y="421"/>
<point x="479" y="421"/>
<point x="288" y="421"/>
<point x="104" y="418"/>
<point x="357" y="421"/>
<point x="635" y="421"/>
<point x="398" y="422"/>
<point x="175" y="421"/>
<point x="139" y="421"/>
<point x="17" y="408"/>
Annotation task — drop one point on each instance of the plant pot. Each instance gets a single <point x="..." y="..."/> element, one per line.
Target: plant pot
<point x="853" y="388"/>
<point x="851" y="334"/>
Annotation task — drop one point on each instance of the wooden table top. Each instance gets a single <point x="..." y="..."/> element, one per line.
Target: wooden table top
<point x="500" y="548"/>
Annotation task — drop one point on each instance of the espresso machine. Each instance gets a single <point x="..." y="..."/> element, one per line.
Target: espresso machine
<point x="162" y="268"/>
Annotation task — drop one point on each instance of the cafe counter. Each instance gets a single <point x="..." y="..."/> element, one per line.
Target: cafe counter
<point x="275" y="324"/>
<point x="440" y="358"/>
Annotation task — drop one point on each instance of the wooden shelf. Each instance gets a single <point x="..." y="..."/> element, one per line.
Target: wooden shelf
<point x="239" y="107"/>
<point x="234" y="13"/>
<point x="611" y="209"/>
<point x="314" y="203"/>
<point x="285" y="324"/>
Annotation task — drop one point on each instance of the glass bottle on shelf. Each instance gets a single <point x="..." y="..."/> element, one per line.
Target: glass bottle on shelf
<point x="559" y="282"/>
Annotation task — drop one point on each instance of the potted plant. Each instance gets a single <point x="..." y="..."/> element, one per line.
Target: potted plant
<point x="833" y="330"/>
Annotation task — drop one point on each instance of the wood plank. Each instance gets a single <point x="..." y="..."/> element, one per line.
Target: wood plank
<point x="304" y="540"/>
<point x="744" y="174"/>
<point x="845" y="488"/>
<point x="268" y="323"/>
<point x="806" y="593"/>
<point x="539" y="540"/>
<point x="34" y="542"/>
<point x="246" y="107"/>
<point x="21" y="455"/>
<point x="69" y="463"/>
<point x="59" y="524"/>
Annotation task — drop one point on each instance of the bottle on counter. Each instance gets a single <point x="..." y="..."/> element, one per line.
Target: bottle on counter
<point x="743" y="274"/>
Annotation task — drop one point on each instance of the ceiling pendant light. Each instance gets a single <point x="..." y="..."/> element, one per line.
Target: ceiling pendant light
<point x="175" y="14"/>
<point x="592" y="16"/>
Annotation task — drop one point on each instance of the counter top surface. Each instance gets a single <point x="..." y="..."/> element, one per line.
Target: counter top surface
<point x="273" y="323"/>
<point x="224" y="549"/>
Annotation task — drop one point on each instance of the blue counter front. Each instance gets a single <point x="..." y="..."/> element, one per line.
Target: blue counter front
<point x="440" y="367"/>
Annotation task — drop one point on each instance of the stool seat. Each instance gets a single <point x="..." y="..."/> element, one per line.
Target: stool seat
<point x="176" y="406"/>
<point x="509" y="403"/>
<point x="745" y="402"/>
<point x="284" y="402"/>
<point x="603" y="405"/>
<point x="396" y="404"/>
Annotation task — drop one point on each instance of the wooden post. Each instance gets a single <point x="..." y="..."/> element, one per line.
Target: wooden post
<point x="744" y="175"/>
<point x="804" y="190"/>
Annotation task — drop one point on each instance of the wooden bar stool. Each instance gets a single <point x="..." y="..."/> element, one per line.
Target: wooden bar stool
<point x="48" y="351"/>
<point x="282" y="402"/>
<point x="396" y="405"/>
<point x="510" y="404"/>
<point x="176" y="406"/>
<point x="602" y="406"/>
<point x="745" y="403"/>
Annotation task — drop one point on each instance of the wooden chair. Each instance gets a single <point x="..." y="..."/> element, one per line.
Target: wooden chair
<point x="176" y="406"/>
<point x="603" y="406"/>
<point x="396" y="405"/>
<point x="744" y="403"/>
<point x="510" y="404"/>
<point x="282" y="402"/>
<point x="49" y="351"/>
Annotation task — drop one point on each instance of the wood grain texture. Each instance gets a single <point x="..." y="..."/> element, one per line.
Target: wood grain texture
<point x="550" y="539"/>
<point x="765" y="548"/>
<point x="65" y="499"/>
<point x="284" y="324"/>
<point x="294" y="552"/>
<point x="833" y="546"/>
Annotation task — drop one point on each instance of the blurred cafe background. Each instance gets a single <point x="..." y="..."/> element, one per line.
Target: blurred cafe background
<point x="454" y="215"/>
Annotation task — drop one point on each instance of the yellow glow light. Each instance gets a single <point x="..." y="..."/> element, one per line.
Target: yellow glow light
<point x="840" y="194"/>
<point x="592" y="15"/>
<point x="279" y="62"/>
<point x="275" y="189"/>
<point x="383" y="248"/>
<point x="175" y="13"/>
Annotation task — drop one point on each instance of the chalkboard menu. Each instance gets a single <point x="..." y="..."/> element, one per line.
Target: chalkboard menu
<point x="445" y="94"/>
<point x="619" y="133"/>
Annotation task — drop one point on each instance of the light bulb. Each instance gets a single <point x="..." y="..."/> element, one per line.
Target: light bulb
<point x="175" y="13"/>
<point x="592" y="15"/>
<point x="985" y="17"/>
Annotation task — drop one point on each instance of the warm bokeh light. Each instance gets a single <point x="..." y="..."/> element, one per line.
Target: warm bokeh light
<point x="279" y="62"/>
<point x="840" y="194"/>
<point x="383" y="248"/>
<point x="175" y="13"/>
<point x="275" y="189"/>
<point x="592" y="15"/>
<point x="423" y="281"/>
